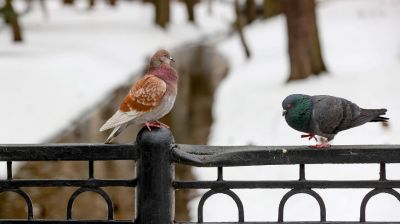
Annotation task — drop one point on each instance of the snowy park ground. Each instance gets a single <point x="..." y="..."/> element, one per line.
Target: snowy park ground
<point x="71" y="60"/>
<point x="361" y="47"/>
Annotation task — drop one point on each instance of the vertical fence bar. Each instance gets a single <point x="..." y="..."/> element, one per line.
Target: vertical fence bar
<point x="9" y="170"/>
<point x="155" y="172"/>
<point x="220" y="174"/>
<point x="302" y="172"/>
<point x="91" y="169"/>
<point x="382" y="171"/>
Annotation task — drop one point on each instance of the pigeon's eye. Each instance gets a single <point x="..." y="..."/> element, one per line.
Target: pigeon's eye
<point x="289" y="105"/>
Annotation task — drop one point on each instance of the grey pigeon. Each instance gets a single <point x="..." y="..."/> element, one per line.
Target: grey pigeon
<point x="326" y="116"/>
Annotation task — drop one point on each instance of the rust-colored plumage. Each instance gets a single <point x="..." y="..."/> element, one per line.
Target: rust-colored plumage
<point x="149" y="99"/>
<point x="144" y="95"/>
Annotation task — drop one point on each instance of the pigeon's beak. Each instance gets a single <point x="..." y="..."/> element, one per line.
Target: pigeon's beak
<point x="284" y="112"/>
<point x="170" y="58"/>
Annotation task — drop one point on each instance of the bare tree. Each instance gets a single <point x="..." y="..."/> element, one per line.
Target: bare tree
<point x="162" y="8"/>
<point x="190" y="9"/>
<point x="239" y="28"/>
<point x="251" y="10"/>
<point x="11" y="18"/>
<point x="68" y="2"/>
<point x="272" y="8"/>
<point x="304" y="46"/>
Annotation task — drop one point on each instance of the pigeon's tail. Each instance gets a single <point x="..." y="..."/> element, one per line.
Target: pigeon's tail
<point x="380" y="119"/>
<point x="378" y="114"/>
<point x="115" y="133"/>
<point x="370" y="115"/>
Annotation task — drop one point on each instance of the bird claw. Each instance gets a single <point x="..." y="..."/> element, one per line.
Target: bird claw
<point x="155" y="124"/>
<point x="310" y="136"/>
<point x="320" y="146"/>
<point x="164" y="125"/>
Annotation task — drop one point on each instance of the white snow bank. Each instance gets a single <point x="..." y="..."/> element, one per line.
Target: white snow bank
<point x="74" y="58"/>
<point x="361" y="47"/>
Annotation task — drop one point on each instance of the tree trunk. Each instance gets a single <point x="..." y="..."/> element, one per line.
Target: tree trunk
<point x="239" y="28"/>
<point x="304" y="47"/>
<point x="91" y="3"/>
<point x="68" y="2"/>
<point x="162" y="12"/>
<point x="190" y="10"/>
<point x="112" y="2"/>
<point x="251" y="10"/>
<point x="272" y="8"/>
<point x="11" y="18"/>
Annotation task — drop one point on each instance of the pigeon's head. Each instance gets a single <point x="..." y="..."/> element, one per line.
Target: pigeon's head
<point x="159" y="58"/>
<point x="293" y="101"/>
<point x="297" y="109"/>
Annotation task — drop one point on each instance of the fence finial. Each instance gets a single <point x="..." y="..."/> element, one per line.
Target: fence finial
<point x="155" y="173"/>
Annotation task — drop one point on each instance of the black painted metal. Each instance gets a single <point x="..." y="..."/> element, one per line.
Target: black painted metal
<point x="75" y="152"/>
<point x="67" y="183"/>
<point x="156" y="155"/>
<point x="214" y="156"/>
<point x="154" y="195"/>
<point x="25" y="196"/>
<point x="9" y="170"/>
<point x="288" y="184"/>
<point x="67" y="152"/>
<point x="91" y="169"/>
<point x="295" y="191"/>
<point x="373" y="193"/>
<point x="228" y="192"/>
<point x="99" y="191"/>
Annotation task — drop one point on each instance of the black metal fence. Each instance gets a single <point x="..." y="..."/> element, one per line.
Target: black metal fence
<point x="156" y="154"/>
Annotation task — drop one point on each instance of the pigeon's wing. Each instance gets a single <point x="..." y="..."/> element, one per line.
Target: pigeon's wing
<point x="144" y="96"/>
<point x="367" y="115"/>
<point x="327" y="114"/>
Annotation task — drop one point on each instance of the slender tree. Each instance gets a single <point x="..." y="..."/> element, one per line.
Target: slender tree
<point x="190" y="9"/>
<point x="239" y="28"/>
<point x="162" y="12"/>
<point x="11" y="18"/>
<point x="68" y="2"/>
<point x="304" y="46"/>
<point x="272" y="8"/>
<point x="250" y="10"/>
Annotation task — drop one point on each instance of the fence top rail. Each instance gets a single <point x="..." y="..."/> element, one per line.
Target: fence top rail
<point x="213" y="156"/>
<point x="207" y="156"/>
<point x="68" y="152"/>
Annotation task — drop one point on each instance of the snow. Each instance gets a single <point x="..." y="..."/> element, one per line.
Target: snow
<point x="74" y="58"/>
<point x="361" y="47"/>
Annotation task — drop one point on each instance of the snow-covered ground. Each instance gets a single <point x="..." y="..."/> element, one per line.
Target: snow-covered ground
<point x="74" y="58"/>
<point x="361" y="47"/>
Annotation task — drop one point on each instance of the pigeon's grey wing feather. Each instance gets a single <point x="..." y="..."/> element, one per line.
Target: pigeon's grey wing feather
<point x="367" y="115"/>
<point x="350" y="112"/>
<point x="327" y="114"/>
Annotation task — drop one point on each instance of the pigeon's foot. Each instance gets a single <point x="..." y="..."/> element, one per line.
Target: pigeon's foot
<point x="310" y="136"/>
<point x="323" y="145"/>
<point x="162" y="124"/>
<point x="152" y="124"/>
<point x="155" y="124"/>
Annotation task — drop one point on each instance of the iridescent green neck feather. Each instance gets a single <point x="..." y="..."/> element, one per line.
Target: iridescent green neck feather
<point x="299" y="115"/>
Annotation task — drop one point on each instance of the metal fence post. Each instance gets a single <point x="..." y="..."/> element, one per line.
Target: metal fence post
<point x="155" y="172"/>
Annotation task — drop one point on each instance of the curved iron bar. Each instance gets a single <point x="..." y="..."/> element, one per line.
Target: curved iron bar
<point x="373" y="193"/>
<point x="26" y="198"/>
<point x="99" y="191"/>
<point x="228" y="192"/>
<point x="310" y="192"/>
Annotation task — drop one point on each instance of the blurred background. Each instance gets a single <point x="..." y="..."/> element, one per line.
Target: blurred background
<point x="65" y="65"/>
